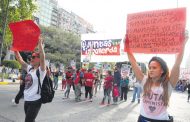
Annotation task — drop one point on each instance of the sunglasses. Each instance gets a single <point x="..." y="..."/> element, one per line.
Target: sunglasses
<point x="33" y="57"/>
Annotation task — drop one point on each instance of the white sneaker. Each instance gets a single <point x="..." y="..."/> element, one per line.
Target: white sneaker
<point x="13" y="102"/>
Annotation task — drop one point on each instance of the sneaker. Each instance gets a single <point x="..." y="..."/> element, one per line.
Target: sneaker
<point x="13" y="102"/>
<point x="132" y="101"/>
<point x="90" y="100"/>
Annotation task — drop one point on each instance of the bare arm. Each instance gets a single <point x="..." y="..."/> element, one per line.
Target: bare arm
<point x="138" y="73"/>
<point x="20" y="60"/>
<point x="176" y="68"/>
<point x="42" y="55"/>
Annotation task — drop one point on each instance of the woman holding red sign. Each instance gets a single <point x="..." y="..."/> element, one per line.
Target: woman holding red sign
<point x="32" y="95"/>
<point x="157" y="86"/>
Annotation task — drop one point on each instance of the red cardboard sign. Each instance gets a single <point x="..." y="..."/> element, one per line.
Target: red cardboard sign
<point x="25" y="35"/>
<point x="156" y="32"/>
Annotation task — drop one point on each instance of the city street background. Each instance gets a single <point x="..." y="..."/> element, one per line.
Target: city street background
<point x="67" y="110"/>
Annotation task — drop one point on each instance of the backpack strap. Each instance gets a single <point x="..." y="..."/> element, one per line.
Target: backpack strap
<point x="39" y="83"/>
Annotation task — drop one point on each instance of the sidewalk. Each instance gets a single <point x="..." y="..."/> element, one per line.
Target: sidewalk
<point x="9" y="81"/>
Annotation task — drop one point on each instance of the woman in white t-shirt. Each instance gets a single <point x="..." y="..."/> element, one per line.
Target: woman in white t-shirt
<point x="32" y="95"/>
<point x="157" y="86"/>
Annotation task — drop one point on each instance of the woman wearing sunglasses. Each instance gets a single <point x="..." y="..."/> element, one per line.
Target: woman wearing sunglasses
<point x="32" y="97"/>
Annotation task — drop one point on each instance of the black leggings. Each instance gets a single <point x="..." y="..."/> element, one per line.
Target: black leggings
<point x="144" y="119"/>
<point x="88" y="90"/>
<point x="31" y="109"/>
<point x="124" y="91"/>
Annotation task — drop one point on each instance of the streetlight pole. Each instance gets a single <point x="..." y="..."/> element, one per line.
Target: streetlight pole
<point x="4" y="29"/>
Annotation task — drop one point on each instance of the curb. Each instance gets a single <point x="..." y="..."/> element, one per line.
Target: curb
<point x="9" y="83"/>
<point x="4" y="83"/>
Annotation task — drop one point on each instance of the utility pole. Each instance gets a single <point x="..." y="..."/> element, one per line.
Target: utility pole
<point x="4" y="29"/>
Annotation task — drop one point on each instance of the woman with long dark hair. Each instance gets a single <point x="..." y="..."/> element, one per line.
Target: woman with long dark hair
<point x="157" y="86"/>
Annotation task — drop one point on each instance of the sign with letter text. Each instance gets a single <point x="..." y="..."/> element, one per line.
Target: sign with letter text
<point x="101" y="47"/>
<point x="156" y="32"/>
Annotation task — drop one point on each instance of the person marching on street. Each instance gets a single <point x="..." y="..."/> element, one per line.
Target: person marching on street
<point x="68" y="81"/>
<point x="89" y="81"/>
<point x="108" y="83"/>
<point x="136" y="91"/>
<point x="32" y="102"/>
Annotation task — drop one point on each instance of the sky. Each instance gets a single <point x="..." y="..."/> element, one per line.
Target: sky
<point x="109" y="16"/>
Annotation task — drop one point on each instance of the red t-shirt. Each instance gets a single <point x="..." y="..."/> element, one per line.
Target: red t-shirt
<point x="77" y="79"/>
<point x="89" y="77"/>
<point x="108" y="82"/>
<point x="68" y="77"/>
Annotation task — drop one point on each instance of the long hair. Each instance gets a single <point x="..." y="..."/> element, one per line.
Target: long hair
<point x="164" y="79"/>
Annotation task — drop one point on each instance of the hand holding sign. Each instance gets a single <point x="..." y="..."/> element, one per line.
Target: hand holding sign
<point x="25" y="35"/>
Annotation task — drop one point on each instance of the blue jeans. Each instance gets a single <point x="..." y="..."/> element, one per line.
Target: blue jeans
<point x="107" y="94"/>
<point x="136" y="92"/>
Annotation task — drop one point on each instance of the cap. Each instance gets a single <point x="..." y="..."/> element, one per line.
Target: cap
<point x="36" y="54"/>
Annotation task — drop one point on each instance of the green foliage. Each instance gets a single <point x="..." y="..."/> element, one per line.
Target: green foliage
<point x="11" y="64"/>
<point x="61" y="46"/>
<point x="18" y="10"/>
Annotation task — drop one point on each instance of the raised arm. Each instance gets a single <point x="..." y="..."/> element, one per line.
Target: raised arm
<point x="174" y="76"/>
<point x="21" y="61"/>
<point x="42" y="54"/>
<point x="138" y="73"/>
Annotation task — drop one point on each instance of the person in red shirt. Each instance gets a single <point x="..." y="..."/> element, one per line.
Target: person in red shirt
<point x="68" y="81"/>
<point x="108" y="83"/>
<point x="89" y="80"/>
<point x="77" y="85"/>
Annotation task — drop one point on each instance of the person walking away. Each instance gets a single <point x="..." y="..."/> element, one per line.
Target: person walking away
<point x="157" y="86"/>
<point x="89" y="80"/>
<point x="55" y="79"/>
<point x="115" y="94"/>
<point x="136" y="91"/>
<point x="20" y="94"/>
<point x="96" y="83"/>
<point x="32" y="102"/>
<point x="108" y="82"/>
<point x="117" y="78"/>
<point x="124" y="88"/>
<point x="68" y="81"/>
<point x="77" y="86"/>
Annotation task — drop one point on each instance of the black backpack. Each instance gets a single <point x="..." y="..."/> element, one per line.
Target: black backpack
<point x="47" y="91"/>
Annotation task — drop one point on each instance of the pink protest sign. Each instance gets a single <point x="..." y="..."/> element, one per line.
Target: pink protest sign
<point x="159" y="31"/>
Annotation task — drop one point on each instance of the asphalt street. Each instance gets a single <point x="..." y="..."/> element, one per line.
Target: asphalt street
<point x="67" y="110"/>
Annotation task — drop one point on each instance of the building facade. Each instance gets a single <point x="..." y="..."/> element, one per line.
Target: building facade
<point x="49" y="14"/>
<point x="71" y="22"/>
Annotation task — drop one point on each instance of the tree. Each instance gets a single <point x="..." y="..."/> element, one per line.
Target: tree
<point x="11" y="64"/>
<point x="61" y="46"/>
<point x="17" y="10"/>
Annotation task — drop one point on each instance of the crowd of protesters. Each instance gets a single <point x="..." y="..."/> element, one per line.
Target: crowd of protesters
<point x="181" y="85"/>
<point x="115" y="86"/>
